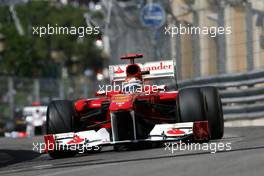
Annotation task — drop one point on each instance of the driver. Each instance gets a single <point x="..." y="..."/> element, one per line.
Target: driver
<point x="131" y="85"/>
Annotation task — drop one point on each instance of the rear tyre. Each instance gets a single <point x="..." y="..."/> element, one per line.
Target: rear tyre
<point x="214" y="112"/>
<point x="60" y="119"/>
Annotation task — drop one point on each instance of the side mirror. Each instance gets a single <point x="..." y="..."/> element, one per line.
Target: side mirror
<point x="100" y="93"/>
<point x="162" y="87"/>
<point x="145" y="72"/>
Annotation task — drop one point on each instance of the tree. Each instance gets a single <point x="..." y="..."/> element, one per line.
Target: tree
<point x="31" y="56"/>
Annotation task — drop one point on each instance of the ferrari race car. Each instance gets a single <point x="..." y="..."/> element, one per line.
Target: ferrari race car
<point x="134" y="113"/>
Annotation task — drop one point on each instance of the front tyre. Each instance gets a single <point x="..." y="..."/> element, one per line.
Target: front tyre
<point x="190" y="105"/>
<point x="214" y="112"/>
<point x="60" y="119"/>
<point x="200" y="104"/>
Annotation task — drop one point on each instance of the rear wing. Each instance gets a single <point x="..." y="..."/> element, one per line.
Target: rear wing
<point x="158" y="69"/>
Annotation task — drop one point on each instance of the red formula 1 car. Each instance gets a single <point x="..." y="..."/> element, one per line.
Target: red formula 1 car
<point x="131" y="112"/>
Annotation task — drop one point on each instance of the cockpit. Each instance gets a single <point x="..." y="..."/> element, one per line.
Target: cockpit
<point x="131" y="88"/>
<point x="132" y="85"/>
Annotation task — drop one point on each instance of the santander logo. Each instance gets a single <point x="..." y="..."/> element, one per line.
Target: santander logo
<point x="161" y="66"/>
<point x="175" y="132"/>
<point x="154" y="67"/>
<point x="76" y="140"/>
<point x="119" y="70"/>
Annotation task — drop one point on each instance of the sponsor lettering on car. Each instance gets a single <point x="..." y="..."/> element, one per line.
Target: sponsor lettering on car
<point x="76" y="140"/>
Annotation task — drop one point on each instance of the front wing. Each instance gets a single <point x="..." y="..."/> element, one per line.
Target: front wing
<point x="195" y="131"/>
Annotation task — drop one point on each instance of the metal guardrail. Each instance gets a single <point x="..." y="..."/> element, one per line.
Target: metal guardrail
<point x="242" y="94"/>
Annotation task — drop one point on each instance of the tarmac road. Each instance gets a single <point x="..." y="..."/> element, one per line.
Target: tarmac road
<point x="245" y="158"/>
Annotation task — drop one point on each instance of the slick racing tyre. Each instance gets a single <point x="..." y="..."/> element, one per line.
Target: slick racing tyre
<point x="200" y="104"/>
<point x="60" y="119"/>
<point x="214" y="112"/>
<point x="191" y="105"/>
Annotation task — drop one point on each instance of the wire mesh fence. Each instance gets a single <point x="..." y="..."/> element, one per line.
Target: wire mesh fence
<point x="17" y="92"/>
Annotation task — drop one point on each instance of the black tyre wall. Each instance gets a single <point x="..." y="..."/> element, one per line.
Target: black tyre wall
<point x="214" y="112"/>
<point x="199" y="104"/>
<point x="60" y="117"/>
<point x="190" y="104"/>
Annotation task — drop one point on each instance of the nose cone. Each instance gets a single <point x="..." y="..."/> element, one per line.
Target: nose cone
<point x="121" y="102"/>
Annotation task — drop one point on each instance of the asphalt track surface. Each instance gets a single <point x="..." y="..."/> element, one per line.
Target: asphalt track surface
<point x="245" y="158"/>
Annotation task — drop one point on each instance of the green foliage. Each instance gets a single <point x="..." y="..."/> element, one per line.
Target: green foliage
<point x="30" y="55"/>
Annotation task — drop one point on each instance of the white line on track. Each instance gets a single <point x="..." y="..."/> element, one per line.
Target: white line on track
<point x="42" y="166"/>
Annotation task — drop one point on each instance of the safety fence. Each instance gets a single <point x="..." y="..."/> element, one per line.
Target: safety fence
<point x="242" y="93"/>
<point x="18" y="92"/>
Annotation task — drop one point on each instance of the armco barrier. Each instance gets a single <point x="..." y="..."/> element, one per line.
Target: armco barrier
<point x="242" y="94"/>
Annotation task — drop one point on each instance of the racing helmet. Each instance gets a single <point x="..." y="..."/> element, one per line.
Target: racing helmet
<point x="132" y="85"/>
